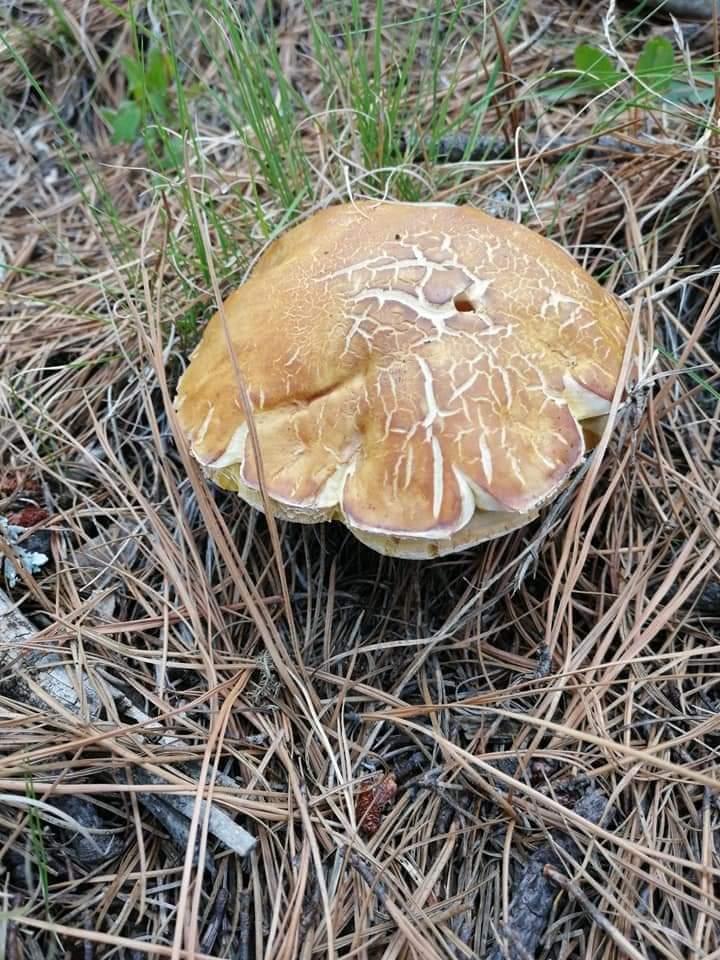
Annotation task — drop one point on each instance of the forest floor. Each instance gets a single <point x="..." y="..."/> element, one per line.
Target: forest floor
<point x="542" y="712"/>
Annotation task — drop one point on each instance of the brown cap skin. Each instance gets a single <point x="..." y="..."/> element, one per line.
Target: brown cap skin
<point x="418" y="371"/>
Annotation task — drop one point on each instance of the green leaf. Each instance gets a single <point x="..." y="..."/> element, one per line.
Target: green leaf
<point x="148" y="81"/>
<point x="596" y="67"/>
<point x="174" y="152"/>
<point x="680" y="92"/>
<point x="153" y="141"/>
<point x="135" y="78"/>
<point x="124" y="122"/>
<point x="655" y="66"/>
<point x="156" y="73"/>
<point x="158" y="104"/>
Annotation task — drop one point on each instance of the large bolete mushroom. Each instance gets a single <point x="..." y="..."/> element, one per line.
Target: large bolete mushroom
<point x="421" y="372"/>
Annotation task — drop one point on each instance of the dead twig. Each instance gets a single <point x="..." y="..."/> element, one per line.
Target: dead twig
<point x="13" y="950"/>
<point x="220" y="825"/>
<point x="215" y="924"/>
<point x="685" y="9"/>
<point x="463" y="147"/>
<point x="243" y="952"/>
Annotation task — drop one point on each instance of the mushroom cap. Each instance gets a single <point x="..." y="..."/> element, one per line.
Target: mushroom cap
<point x="419" y="372"/>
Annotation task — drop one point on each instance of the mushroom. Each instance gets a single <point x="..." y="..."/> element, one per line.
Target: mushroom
<point x="425" y="373"/>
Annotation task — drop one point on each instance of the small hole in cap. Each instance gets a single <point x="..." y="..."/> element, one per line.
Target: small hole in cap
<point x="463" y="303"/>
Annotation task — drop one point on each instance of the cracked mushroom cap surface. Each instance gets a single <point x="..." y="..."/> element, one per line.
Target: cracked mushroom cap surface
<point x="420" y="372"/>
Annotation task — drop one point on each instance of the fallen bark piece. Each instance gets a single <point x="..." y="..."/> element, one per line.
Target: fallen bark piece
<point x="572" y="889"/>
<point x="98" y="844"/>
<point x="15" y="629"/>
<point x="25" y="675"/>
<point x="535" y="891"/>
